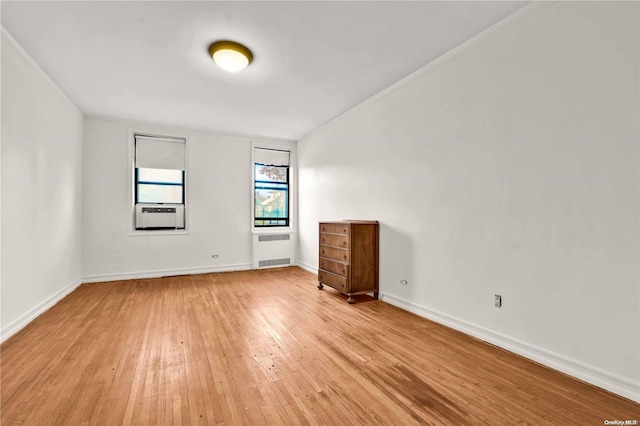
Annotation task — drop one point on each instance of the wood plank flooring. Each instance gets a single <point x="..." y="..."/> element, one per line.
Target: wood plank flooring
<point x="266" y="348"/>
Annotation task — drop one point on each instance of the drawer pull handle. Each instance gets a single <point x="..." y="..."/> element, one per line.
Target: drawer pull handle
<point x="343" y="271"/>
<point x="344" y="257"/>
<point x="344" y="231"/>
<point x="344" y="243"/>
<point x="323" y="240"/>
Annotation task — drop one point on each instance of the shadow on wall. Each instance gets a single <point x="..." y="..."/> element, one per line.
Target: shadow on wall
<point x="396" y="262"/>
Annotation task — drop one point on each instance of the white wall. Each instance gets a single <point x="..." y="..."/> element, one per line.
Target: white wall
<point x="218" y="206"/>
<point x="41" y="175"/>
<point x="509" y="166"/>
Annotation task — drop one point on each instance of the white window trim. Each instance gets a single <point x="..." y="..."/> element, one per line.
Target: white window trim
<point x="132" y="202"/>
<point x="293" y="187"/>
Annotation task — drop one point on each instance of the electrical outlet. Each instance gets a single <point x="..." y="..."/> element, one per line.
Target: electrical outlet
<point x="404" y="282"/>
<point x="498" y="301"/>
<point x="215" y="256"/>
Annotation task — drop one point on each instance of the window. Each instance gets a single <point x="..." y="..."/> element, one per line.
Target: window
<point x="271" y="188"/>
<point x="271" y="200"/>
<point x="159" y="182"/>
<point x="159" y="186"/>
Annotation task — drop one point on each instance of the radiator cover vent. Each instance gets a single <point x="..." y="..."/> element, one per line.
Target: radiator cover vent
<point x="273" y="250"/>
<point x="274" y="262"/>
<point x="274" y="237"/>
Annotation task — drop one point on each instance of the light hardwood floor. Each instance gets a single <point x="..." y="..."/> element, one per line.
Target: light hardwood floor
<point x="267" y="347"/>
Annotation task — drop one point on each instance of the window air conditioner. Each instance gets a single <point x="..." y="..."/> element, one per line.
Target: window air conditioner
<point x="159" y="216"/>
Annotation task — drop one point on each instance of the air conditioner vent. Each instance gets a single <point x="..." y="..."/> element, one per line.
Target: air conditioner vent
<point x="275" y="237"/>
<point x="274" y="262"/>
<point x="159" y="216"/>
<point x="158" y="209"/>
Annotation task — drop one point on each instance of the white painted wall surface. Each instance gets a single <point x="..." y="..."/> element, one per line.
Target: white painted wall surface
<point x="41" y="190"/>
<point x="218" y="206"/>
<point x="509" y="166"/>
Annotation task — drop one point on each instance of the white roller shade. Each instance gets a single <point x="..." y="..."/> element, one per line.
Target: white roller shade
<point x="159" y="153"/>
<point x="271" y="157"/>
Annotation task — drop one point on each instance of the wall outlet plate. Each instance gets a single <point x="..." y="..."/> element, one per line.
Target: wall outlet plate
<point x="404" y="282"/>
<point x="498" y="301"/>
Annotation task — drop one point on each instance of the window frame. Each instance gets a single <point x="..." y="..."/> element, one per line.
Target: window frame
<point x="133" y="187"/>
<point x="286" y="219"/>
<point x="137" y="182"/>
<point x="278" y="145"/>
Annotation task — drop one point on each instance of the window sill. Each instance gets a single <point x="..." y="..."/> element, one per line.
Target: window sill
<point x="274" y="230"/>
<point x="140" y="232"/>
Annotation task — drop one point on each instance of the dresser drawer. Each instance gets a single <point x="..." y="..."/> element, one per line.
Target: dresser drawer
<point x="335" y="240"/>
<point x="332" y="280"/>
<point x="334" y="253"/>
<point x="335" y="267"/>
<point x="335" y="228"/>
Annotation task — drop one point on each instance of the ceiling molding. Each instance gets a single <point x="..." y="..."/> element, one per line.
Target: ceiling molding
<point x="172" y="127"/>
<point x="493" y="31"/>
<point x="34" y="65"/>
<point x="314" y="61"/>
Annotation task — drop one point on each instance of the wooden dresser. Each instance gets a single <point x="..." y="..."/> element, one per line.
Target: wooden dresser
<point x="349" y="257"/>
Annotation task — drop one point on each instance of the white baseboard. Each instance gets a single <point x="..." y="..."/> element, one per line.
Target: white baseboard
<point x="588" y="373"/>
<point x="307" y="267"/>
<point x="165" y="273"/>
<point x="13" y="327"/>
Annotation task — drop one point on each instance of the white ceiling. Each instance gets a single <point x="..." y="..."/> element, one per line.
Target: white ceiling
<point x="148" y="61"/>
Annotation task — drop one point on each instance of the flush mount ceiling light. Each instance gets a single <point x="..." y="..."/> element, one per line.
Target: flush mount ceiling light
<point x="230" y="56"/>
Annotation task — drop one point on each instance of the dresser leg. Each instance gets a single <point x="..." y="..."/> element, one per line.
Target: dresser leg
<point x="351" y="300"/>
<point x="320" y="286"/>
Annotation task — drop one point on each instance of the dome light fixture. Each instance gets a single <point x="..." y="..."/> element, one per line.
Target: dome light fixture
<point x="230" y="56"/>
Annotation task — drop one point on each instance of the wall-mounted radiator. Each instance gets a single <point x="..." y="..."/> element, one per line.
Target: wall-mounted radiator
<point x="273" y="250"/>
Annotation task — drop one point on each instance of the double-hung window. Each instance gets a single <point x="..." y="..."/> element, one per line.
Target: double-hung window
<point x="160" y="186"/>
<point x="271" y="188"/>
<point x="159" y="182"/>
